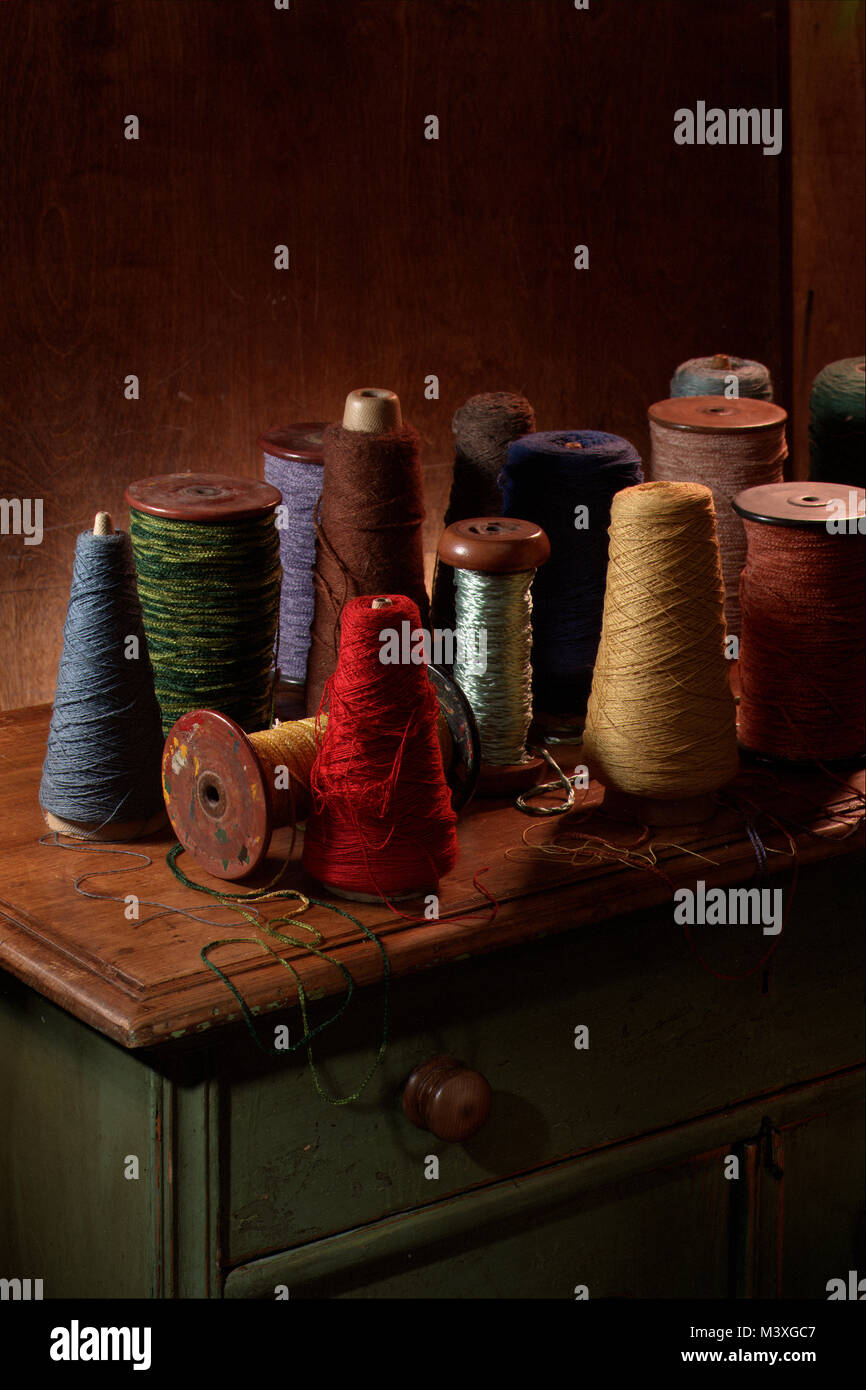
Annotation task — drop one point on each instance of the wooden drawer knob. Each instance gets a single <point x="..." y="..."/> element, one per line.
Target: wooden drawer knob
<point x="448" y="1098"/>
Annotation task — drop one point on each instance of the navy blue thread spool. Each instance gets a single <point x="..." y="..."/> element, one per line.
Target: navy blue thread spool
<point x="547" y="478"/>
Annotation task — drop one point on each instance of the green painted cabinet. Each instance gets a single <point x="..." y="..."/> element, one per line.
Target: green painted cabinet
<point x="601" y="1166"/>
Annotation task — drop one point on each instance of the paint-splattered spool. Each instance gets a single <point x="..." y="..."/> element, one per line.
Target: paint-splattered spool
<point x="293" y="465"/>
<point x="803" y="646"/>
<point x="226" y="792"/>
<point x="727" y="445"/>
<point x="495" y="560"/>
<point x="208" y="567"/>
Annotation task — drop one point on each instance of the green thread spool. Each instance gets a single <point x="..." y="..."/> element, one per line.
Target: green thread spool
<point x="837" y="423"/>
<point x="208" y="568"/>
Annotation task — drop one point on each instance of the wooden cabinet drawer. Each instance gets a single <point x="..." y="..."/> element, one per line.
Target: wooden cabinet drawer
<point x="668" y="1040"/>
<point x="665" y="1216"/>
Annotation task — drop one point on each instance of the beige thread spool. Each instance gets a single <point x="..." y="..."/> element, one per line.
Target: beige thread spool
<point x="660" y="727"/>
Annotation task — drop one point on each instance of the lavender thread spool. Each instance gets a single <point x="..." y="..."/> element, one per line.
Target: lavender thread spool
<point x="293" y="465"/>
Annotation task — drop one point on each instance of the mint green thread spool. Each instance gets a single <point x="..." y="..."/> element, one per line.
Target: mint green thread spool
<point x="837" y="423"/>
<point x="207" y="563"/>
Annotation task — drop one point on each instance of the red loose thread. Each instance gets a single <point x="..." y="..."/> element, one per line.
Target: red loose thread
<point x="382" y="822"/>
<point x="803" y="655"/>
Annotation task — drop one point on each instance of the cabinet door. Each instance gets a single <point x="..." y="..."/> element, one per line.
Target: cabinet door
<point x="822" y="1206"/>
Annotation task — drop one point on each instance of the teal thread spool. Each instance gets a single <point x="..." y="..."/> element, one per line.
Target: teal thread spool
<point x="711" y="376"/>
<point x="208" y="566"/>
<point x="837" y="423"/>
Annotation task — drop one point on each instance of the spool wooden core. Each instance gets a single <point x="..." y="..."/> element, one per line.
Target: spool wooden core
<point x="372" y="410"/>
<point x="498" y="545"/>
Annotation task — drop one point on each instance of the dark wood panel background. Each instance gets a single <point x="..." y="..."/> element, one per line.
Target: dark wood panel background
<point x="408" y="257"/>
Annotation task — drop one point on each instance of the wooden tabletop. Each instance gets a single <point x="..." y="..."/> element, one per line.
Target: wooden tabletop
<point x="143" y="982"/>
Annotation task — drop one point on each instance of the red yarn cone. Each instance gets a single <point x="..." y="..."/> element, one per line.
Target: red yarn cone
<point x="382" y="823"/>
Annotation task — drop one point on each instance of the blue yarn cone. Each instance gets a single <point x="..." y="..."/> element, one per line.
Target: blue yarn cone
<point x="101" y="772"/>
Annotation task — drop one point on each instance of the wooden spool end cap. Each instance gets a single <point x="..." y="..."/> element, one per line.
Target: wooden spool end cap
<point x="103" y="524"/>
<point x="216" y="794"/>
<point x="372" y="410"/>
<point x="804" y="504"/>
<point x="203" y="497"/>
<point x="716" y="414"/>
<point x="299" y="443"/>
<point x="647" y="810"/>
<point x="720" y="362"/>
<point x="494" y="545"/>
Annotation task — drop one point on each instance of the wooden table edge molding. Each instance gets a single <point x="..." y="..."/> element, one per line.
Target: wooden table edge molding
<point x="184" y="1007"/>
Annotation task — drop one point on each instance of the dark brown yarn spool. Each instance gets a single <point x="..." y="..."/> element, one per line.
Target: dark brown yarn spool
<point x="483" y="429"/>
<point x="369" y="537"/>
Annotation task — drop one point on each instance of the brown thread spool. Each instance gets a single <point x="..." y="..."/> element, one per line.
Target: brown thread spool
<point x="803" y="646"/>
<point x="495" y="547"/>
<point x="483" y="429"/>
<point x="727" y="445"/>
<point x="369" y="534"/>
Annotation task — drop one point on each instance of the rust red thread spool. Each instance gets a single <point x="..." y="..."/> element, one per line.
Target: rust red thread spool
<point x="802" y="650"/>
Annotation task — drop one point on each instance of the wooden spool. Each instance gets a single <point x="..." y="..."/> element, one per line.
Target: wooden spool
<point x="498" y="545"/>
<point x="113" y="830"/>
<point x="220" y="799"/>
